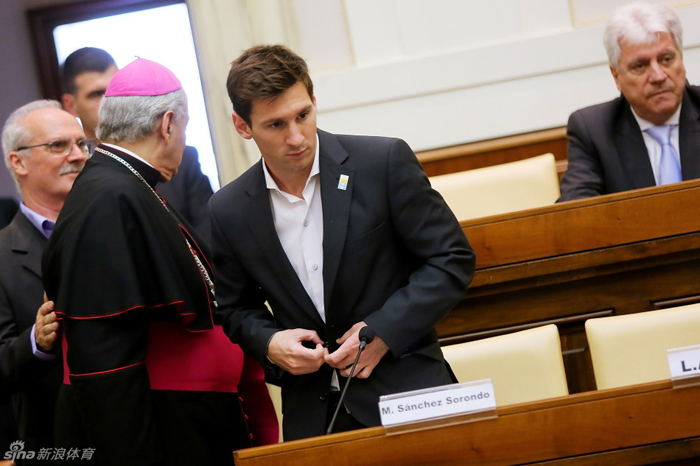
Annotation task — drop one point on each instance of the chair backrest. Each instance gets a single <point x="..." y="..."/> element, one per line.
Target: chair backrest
<point x="276" y="397"/>
<point x="499" y="189"/>
<point x="631" y="349"/>
<point x="523" y="366"/>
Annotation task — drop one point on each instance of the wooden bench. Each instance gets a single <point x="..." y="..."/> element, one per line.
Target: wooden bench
<point x="563" y="264"/>
<point x="496" y="151"/>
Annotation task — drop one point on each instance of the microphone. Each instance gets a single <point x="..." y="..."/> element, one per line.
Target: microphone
<point x="366" y="336"/>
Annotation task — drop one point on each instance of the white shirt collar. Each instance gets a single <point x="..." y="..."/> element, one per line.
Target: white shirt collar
<point x="127" y="151"/>
<point x="645" y="125"/>
<point x="35" y="218"/>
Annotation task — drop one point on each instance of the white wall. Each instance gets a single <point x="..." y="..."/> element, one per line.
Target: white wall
<point x="445" y="72"/>
<point x="434" y="72"/>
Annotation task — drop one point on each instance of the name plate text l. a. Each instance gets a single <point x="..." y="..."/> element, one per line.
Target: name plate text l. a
<point x="437" y="402"/>
<point x="684" y="362"/>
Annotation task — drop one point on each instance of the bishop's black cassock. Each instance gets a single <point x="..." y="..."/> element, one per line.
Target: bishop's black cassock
<point x="149" y="377"/>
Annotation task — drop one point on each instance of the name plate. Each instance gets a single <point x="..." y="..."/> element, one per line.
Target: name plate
<point x="684" y="362"/>
<point x="437" y="402"/>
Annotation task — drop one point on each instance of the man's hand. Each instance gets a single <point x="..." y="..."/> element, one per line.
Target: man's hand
<point x="286" y="349"/>
<point x="46" y="328"/>
<point x="344" y="357"/>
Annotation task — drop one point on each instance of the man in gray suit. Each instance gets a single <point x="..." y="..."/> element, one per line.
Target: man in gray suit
<point x="45" y="149"/>
<point x="336" y="233"/>
<point x="649" y="135"/>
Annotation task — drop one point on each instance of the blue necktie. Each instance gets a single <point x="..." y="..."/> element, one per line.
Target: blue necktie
<point x="669" y="169"/>
<point x="47" y="226"/>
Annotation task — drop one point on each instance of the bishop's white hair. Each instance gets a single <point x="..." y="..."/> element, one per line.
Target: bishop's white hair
<point x="134" y="118"/>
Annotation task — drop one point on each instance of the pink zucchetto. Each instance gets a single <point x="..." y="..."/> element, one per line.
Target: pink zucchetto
<point x="142" y="78"/>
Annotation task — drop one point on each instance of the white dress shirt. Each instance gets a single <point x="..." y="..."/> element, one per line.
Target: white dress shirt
<point x="299" y="226"/>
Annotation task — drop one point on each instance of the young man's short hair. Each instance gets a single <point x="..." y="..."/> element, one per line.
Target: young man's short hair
<point x="264" y="72"/>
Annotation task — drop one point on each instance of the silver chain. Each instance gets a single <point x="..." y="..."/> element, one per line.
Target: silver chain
<point x="202" y="269"/>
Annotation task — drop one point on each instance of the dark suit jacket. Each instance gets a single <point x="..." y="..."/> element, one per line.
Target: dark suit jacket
<point x="32" y="382"/>
<point x="394" y="256"/>
<point x="189" y="191"/>
<point x="607" y="153"/>
<point x="8" y="209"/>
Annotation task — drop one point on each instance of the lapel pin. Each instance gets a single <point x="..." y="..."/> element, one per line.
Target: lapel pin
<point x="343" y="183"/>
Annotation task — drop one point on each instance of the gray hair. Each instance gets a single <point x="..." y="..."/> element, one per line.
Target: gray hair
<point x="16" y="134"/>
<point x="640" y="23"/>
<point x="134" y="118"/>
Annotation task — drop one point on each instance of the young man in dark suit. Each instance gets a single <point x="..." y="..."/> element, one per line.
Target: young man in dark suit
<point x="336" y="233"/>
<point x="648" y="135"/>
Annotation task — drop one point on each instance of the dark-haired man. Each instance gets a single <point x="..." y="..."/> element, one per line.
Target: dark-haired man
<point x="336" y="233"/>
<point x="86" y="74"/>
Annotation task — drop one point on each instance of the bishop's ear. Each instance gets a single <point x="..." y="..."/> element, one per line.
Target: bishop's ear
<point x="166" y="124"/>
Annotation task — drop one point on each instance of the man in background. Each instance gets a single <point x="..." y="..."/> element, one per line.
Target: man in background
<point x="45" y="149"/>
<point x="86" y="74"/>
<point x="648" y="135"/>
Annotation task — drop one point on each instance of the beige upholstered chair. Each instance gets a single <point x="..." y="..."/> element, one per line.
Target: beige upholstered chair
<point x="523" y="366"/>
<point x="631" y="349"/>
<point x="500" y="188"/>
<point x="276" y="396"/>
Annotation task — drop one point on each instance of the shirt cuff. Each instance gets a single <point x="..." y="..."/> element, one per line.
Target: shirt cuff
<point x="39" y="353"/>
<point x="267" y="347"/>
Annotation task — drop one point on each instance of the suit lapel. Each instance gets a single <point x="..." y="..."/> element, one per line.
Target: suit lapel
<point x="689" y="138"/>
<point x="634" y="156"/>
<point x="29" y="242"/>
<point x="258" y="216"/>
<point x="336" y="207"/>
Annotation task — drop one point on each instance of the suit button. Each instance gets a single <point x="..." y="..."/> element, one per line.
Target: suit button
<point x="324" y="396"/>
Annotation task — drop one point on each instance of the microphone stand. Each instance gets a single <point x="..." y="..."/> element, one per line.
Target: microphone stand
<point x="366" y="337"/>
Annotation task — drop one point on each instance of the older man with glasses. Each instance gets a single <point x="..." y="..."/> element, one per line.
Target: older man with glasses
<point x="45" y="148"/>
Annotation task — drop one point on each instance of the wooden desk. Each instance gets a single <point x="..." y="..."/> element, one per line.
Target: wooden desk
<point x="616" y="254"/>
<point x="651" y="424"/>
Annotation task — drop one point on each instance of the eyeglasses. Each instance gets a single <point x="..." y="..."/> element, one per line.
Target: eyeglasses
<point x="64" y="146"/>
